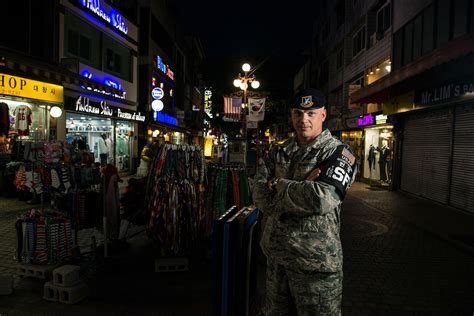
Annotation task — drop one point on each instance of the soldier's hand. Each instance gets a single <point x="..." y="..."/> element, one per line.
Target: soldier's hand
<point x="314" y="174"/>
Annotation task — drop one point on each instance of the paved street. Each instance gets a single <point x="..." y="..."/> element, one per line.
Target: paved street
<point x="395" y="263"/>
<point x="392" y="267"/>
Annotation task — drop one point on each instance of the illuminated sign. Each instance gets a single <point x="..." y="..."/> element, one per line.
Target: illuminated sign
<point x="83" y="104"/>
<point x="106" y="14"/>
<point x="113" y="83"/>
<point x="164" y="118"/>
<point x="157" y="93"/>
<point x="164" y="68"/>
<point x="130" y="116"/>
<point x="208" y="102"/>
<point x="87" y="105"/>
<point x="367" y="119"/>
<point x="380" y="119"/>
<point x="26" y="88"/>
<point x="157" y="105"/>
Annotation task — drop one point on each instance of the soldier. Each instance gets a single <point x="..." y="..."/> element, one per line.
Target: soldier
<point x="299" y="188"/>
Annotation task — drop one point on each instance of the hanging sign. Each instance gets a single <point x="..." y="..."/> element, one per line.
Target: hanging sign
<point x="157" y="93"/>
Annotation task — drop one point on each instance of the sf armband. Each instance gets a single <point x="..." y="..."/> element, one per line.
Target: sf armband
<point x="338" y="170"/>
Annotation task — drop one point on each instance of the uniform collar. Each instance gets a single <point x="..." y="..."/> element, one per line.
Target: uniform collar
<point x="291" y="145"/>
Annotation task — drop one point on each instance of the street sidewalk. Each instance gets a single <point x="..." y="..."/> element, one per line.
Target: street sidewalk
<point x="450" y="224"/>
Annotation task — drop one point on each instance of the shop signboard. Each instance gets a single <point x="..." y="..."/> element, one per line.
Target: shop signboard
<point x="106" y="14"/>
<point x="367" y="119"/>
<point x="445" y="93"/>
<point x="381" y="119"/>
<point x="32" y="89"/>
<point x="164" y="68"/>
<point x="87" y="105"/>
<point x="157" y="93"/>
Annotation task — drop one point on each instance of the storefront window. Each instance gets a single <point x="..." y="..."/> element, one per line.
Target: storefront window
<point x="378" y="154"/>
<point x="29" y="120"/>
<point x="90" y="133"/>
<point x="122" y="145"/>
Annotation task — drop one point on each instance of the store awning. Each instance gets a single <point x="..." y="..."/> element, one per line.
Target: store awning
<point x="379" y="91"/>
<point x="17" y="63"/>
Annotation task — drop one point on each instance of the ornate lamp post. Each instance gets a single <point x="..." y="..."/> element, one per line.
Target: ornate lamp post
<point x="242" y="82"/>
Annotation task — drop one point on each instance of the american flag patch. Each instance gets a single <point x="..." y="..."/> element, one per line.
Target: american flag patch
<point x="346" y="153"/>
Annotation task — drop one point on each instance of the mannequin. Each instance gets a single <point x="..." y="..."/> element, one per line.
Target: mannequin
<point x="371" y="157"/>
<point x="384" y="159"/>
<point x="103" y="150"/>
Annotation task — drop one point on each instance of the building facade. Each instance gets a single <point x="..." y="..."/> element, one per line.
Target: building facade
<point x="399" y="77"/>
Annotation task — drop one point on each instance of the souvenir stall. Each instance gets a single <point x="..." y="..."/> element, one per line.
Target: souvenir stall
<point x="175" y="198"/>
<point x="64" y="176"/>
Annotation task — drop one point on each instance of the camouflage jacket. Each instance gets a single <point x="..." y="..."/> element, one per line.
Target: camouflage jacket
<point x="301" y="222"/>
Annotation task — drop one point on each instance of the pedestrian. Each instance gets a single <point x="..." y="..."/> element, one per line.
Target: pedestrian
<point x="299" y="188"/>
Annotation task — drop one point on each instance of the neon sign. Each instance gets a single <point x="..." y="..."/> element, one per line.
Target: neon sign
<point x="164" y="68"/>
<point x="107" y="81"/>
<point x="367" y="119"/>
<point x="112" y="17"/>
<point x="164" y="118"/>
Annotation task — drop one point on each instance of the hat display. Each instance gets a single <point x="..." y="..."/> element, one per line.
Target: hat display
<point x="308" y="99"/>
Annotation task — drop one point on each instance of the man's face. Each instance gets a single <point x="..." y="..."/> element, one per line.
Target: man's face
<point x="308" y="123"/>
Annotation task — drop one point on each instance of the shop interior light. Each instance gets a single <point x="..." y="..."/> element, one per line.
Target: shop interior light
<point x="388" y="68"/>
<point x="377" y="69"/>
<point x="56" y="111"/>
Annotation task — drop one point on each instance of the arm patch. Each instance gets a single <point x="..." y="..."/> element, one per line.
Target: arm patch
<point x="338" y="170"/>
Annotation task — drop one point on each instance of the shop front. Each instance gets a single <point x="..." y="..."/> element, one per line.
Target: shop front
<point x="105" y="130"/>
<point x="378" y="142"/>
<point x="28" y="112"/>
<point x="25" y="107"/>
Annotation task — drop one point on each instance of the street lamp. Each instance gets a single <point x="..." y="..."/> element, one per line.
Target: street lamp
<point x="242" y="82"/>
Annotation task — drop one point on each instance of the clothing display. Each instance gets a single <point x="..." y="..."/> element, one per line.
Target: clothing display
<point x="227" y="185"/>
<point x="43" y="238"/>
<point x="175" y="198"/>
<point x="371" y="157"/>
<point x="22" y="115"/>
<point x="385" y="157"/>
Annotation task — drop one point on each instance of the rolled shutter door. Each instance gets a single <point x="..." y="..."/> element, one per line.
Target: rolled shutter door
<point x="426" y="155"/>
<point x="462" y="185"/>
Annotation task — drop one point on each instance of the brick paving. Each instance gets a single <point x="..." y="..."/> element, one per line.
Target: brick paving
<point x="400" y="258"/>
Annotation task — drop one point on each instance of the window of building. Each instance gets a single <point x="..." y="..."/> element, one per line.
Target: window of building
<point x="81" y="40"/>
<point x="384" y="19"/>
<point x="117" y="58"/>
<point x="428" y="30"/>
<point x="442" y="23"/>
<point x="408" y="43"/>
<point x="460" y="17"/>
<point x="417" y="36"/>
<point x="358" y="41"/>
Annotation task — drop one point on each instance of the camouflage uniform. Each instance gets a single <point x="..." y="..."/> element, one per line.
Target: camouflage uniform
<point x="301" y="233"/>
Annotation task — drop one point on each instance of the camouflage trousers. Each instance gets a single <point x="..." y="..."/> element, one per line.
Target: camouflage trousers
<point x="307" y="293"/>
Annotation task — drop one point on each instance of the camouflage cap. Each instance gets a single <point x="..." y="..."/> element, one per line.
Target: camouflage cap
<point x="308" y="99"/>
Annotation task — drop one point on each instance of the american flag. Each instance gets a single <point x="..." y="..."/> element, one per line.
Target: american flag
<point x="232" y="108"/>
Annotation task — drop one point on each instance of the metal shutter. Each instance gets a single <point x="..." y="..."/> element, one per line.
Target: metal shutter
<point x="462" y="185"/>
<point x="426" y="154"/>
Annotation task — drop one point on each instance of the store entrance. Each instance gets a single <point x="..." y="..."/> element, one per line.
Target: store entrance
<point x="378" y="154"/>
<point x="108" y="140"/>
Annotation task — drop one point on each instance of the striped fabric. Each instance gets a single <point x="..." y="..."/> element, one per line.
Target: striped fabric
<point x="41" y="254"/>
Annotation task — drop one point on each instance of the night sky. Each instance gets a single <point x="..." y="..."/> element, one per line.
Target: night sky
<point x="234" y="32"/>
